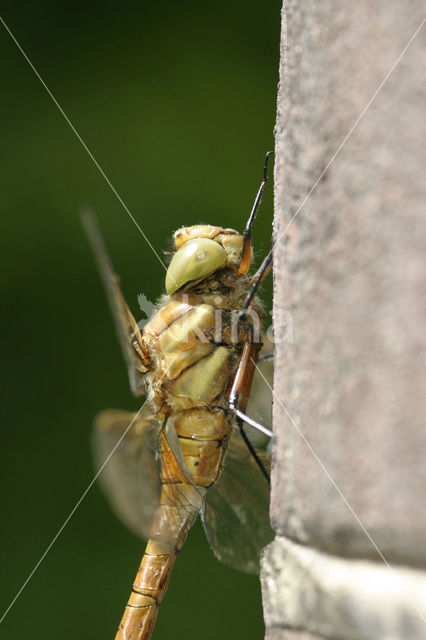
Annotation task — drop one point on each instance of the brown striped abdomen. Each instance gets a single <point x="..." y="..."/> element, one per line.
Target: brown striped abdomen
<point x="194" y="366"/>
<point x="148" y="590"/>
<point x="203" y="435"/>
<point x="179" y="505"/>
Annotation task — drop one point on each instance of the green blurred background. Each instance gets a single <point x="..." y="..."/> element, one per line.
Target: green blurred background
<point x="177" y="103"/>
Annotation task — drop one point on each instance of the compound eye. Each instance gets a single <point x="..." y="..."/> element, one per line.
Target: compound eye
<point x="195" y="260"/>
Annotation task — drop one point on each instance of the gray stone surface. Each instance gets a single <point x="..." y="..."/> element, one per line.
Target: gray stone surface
<point x="349" y="457"/>
<point x="285" y="634"/>
<point x="340" y="599"/>
<point x="350" y="270"/>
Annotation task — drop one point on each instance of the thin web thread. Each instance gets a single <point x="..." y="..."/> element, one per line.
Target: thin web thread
<point x="84" y="145"/>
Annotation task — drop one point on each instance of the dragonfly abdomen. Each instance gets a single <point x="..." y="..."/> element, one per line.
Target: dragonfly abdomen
<point x="203" y="434"/>
<point x="148" y="590"/>
<point x="179" y="505"/>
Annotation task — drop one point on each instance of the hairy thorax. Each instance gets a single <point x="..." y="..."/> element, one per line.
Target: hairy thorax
<point x="195" y="341"/>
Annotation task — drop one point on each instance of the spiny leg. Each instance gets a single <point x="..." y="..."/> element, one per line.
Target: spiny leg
<point x="266" y="265"/>
<point x="252" y="450"/>
<point x="242" y="381"/>
<point x="239" y="396"/>
<point x="262" y="272"/>
<point x="250" y="421"/>
<point x="258" y="277"/>
<point x="246" y="255"/>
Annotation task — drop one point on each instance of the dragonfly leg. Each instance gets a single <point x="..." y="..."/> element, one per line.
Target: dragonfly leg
<point x="246" y="255"/>
<point x="253" y="423"/>
<point x="238" y="396"/>
<point x="257" y="278"/>
<point x="252" y="450"/>
<point x="266" y="356"/>
<point x="262" y="272"/>
<point x="242" y="382"/>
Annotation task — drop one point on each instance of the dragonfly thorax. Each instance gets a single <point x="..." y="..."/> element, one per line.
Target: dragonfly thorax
<point x="195" y="358"/>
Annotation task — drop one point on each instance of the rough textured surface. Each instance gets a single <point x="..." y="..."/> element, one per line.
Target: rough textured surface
<point x="285" y="634"/>
<point x="339" y="598"/>
<point x="349" y="476"/>
<point x="351" y="272"/>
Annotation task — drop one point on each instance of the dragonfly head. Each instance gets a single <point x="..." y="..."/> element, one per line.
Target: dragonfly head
<point x="201" y="251"/>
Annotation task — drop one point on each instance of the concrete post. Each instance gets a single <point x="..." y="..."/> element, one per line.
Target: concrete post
<point x="349" y="460"/>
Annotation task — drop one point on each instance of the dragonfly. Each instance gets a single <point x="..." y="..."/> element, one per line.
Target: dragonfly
<point x="187" y="451"/>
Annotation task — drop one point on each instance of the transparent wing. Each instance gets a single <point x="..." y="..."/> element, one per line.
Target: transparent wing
<point x="236" y="512"/>
<point x="131" y="477"/>
<point x="146" y="471"/>
<point x="127" y="330"/>
<point x="181" y="500"/>
<point x="259" y="404"/>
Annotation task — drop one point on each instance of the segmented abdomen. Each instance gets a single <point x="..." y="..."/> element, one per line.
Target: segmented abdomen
<point x="179" y="506"/>
<point x="194" y="357"/>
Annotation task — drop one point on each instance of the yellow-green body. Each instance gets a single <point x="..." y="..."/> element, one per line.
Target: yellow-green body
<point x="186" y="358"/>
